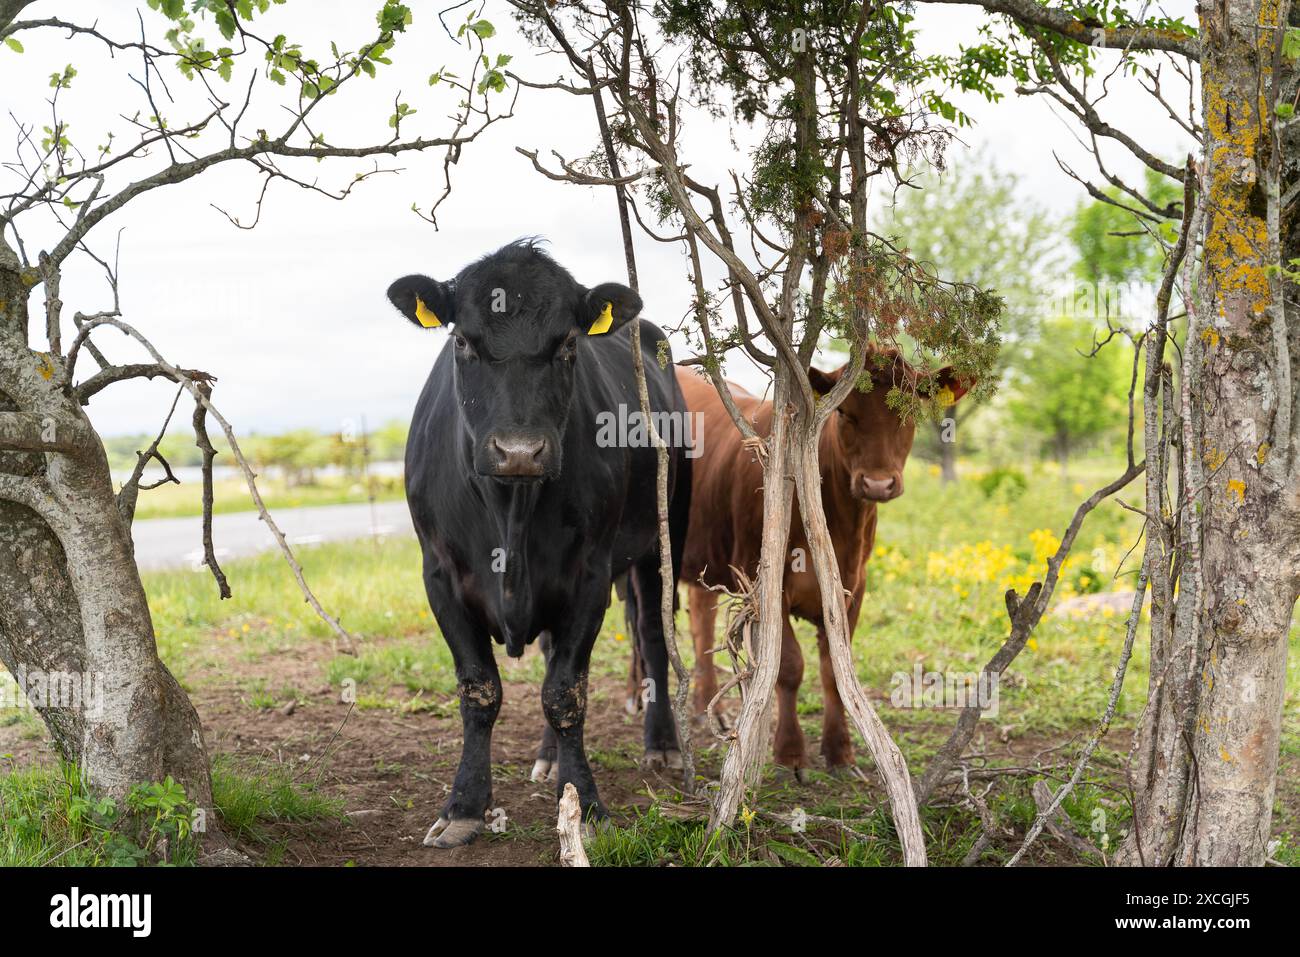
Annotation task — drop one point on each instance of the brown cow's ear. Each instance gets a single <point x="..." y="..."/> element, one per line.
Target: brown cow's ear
<point x="949" y="380"/>
<point x="608" y="307"/>
<point x="822" y="382"/>
<point x="424" y="301"/>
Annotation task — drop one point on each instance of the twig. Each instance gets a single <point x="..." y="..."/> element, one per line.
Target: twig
<point x="209" y="453"/>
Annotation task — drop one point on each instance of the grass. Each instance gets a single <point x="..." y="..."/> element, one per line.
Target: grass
<point x="48" y="819"/>
<point x="945" y="556"/>
<point x="250" y="797"/>
<point x="231" y="495"/>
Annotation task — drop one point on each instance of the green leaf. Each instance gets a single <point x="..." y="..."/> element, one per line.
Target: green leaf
<point x="793" y="855"/>
<point x="492" y="80"/>
<point x="394" y="17"/>
<point x="1291" y="44"/>
<point x="483" y="29"/>
<point x="226" y="23"/>
<point x="277" y="77"/>
<point x="1285" y="110"/>
<point x="13" y="44"/>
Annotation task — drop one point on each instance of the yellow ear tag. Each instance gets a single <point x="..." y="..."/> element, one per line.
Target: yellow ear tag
<point x="424" y="315"/>
<point x="603" y="321"/>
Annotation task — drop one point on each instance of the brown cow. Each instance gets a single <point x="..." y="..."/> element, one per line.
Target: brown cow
<point x="862" y="453"/>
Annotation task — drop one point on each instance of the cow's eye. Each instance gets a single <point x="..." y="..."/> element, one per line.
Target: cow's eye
<point x="463" y="349"/>
<point x="568" y="348"/>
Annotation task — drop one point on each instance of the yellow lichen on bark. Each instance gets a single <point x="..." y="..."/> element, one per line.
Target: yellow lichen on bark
<point x="1236" y="238"/>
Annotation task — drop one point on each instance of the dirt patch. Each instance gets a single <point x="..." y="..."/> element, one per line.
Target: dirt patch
<point x="392" y="768"/>
<point x="395" y="770"/>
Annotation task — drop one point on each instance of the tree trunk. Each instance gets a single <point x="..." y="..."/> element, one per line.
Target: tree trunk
<point x="889" y="759"/>
<point x="1208" y="748"/>
<point x="1063" y="457"/>
<point x="71" y="600"/>
<point x="748" y="751"/>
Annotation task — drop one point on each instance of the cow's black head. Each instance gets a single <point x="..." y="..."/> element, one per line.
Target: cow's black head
<point x="518" y="322"/>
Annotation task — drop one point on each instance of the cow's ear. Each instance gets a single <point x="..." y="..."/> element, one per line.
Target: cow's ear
<point x="822" y="382"/>
<point x="957" y="385"/>
<point x="426" y="302"/>
<point x="608" y="307"/>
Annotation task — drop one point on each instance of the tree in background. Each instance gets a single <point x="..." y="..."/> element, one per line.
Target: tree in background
<point x="297" y="453"/>
<point x="1111" y="242"/>
<point x="1066" y="392"/>
<point x="958" y="223"/>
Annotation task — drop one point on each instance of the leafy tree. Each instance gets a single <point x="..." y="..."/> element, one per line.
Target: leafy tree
<point x="1066" y="393"/>
<point x="958" y="222"/>
<point x="1117" y="243"/>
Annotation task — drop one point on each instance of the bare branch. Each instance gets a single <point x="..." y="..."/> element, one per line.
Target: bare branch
<point x="1032" y="13"/>
<point x="141" y="370"/>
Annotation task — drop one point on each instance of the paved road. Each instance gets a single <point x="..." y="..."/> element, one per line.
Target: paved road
<point x="173" y="542"/>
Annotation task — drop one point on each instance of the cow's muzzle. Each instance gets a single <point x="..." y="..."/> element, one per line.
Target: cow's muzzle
<point x="871" y="489"/>
<point x="517" y="455"/>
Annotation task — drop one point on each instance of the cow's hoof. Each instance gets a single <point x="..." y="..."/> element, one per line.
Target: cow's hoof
<point x="846" y="772"/>
<point x="445" y="833"/>
<point x="657" y="760"/>
<point x="543" y="770"/>
<point x="594" y="827"/>
<point x="800" y="774"/>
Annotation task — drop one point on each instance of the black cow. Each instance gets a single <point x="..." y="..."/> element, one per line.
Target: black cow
<point x="525" y="513"/>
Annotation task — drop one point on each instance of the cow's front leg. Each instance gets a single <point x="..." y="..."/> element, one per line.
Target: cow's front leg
<point x="564" y="699"/>
<point x="479" y="686"/>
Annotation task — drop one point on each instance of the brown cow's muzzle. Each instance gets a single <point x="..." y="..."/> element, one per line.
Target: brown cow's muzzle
<point x="871" y="489"/>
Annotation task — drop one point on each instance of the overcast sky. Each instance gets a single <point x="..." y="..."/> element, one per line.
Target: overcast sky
<point x="292" y="316"/>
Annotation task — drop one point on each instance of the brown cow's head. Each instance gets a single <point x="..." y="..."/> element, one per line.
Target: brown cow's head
<point x="873" y="440"/>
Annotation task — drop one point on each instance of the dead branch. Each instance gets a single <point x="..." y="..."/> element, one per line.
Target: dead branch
<point x="200" y="424"/>
<point x="126" y="498"/>
<point x="569" y="826"/>
<point x="250" y="477"/>
<point x="105" y="377"/>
